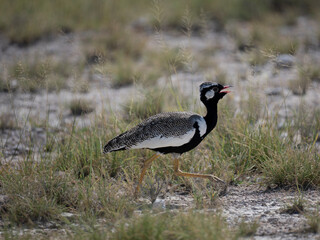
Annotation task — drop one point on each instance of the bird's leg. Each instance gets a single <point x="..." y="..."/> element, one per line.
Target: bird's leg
<point x="178" y="172"/>
<point x="146" y="164"/>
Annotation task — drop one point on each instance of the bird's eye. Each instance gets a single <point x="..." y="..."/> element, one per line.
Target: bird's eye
<point x="215" y="89"/>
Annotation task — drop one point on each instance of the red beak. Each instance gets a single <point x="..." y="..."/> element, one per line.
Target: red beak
<point x="224" y="89"/>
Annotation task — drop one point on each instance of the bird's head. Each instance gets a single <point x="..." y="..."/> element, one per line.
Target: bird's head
<point x="212" y="92"/>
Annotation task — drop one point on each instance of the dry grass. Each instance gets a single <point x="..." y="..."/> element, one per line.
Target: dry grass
<point x="35" y="75"/>
<point x="300" y="85"/>
<point x="268" y="38"/>
<point x="107" y="46"/>
<point x="42" y="18"/>
<point x="246" y="229"/>
<point x="181" y="226"/>
<point x="80" y="84"/>
<point x="297" y="207"/>
<point x="5" y="84"/>
<point x="258" y="57"/>
<point x="310" y="71"/>
<point x="80" y="106"/>
<point x="314" y="222"/>
<point x="151" y="104"/>
<point x="263" y="40"/>
<point x="8" y="121"/>
<point x="124" y="73"/>
<point x="294" y="168"/>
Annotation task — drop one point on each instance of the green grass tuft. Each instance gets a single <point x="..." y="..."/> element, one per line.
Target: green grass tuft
<point x="246" y="229"/>
<point x="31" y="196"/>
<point x="293" y="168"/>
<point x="314" y="222"/>
<point x="182" y="226"/>
<point x="297" y="207"/>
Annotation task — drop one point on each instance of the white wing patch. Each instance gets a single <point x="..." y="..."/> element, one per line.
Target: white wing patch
<point x="209" y="94"/>
<point x="202" y="126"/>
<point x="161" y="141"/>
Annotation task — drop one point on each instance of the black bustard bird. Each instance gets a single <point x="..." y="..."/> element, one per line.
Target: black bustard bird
<point x="173" y="132"/>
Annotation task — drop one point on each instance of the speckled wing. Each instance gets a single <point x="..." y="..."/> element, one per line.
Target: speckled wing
<point x="161" y="130"/>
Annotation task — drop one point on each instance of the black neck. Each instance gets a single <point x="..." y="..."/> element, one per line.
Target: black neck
<point x="212" y="116"/>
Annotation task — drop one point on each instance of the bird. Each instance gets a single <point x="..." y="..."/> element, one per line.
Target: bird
<point x="173" y="132"/>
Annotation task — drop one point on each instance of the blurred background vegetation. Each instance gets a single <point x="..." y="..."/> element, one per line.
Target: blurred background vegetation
<point x="24" y="22"/>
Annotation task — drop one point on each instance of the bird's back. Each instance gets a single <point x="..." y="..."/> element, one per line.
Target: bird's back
<point x="158" y="131"/>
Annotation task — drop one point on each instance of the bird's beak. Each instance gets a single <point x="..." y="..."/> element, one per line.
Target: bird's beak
<point x="225" y="89"/>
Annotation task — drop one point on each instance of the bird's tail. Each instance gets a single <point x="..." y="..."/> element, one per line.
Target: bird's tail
<point x="115" y="144"/>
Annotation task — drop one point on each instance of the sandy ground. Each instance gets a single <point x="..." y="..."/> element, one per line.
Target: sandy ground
<point x="253" y="203"/>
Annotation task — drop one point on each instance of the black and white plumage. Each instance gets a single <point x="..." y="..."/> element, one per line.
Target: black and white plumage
<point x="173" y="129"/>
<point x="175" y="132"/>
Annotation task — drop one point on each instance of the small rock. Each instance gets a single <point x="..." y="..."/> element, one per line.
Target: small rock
<point x="281" y="123"/>
<point x="299" y="91"/>
<point x="273" y="204"/>
<point x="38" y="130"/>
<point x="259" y="180"/>
<point x="274" y="91"/>
<point x="142" y="24"/>
<point x="3" y="199"/>
<point x="94" y="58"/>
<point x="284" y="135"/>
<point x="297" y="138"/>
<point x="20" y="149"/>
<point x="159" y="204"/>
<point x="272" y="220"/>
<point x="67" y="215"/>
<point x="285" y="61"/>
<point x="60" y="174"/>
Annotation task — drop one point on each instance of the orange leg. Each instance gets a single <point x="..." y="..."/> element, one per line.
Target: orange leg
<point x="178" y="172"/>
<point x="146" y="164"/>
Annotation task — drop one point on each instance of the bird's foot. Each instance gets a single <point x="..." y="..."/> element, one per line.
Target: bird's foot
<point x="216" y="179"/>
<point x="223" y="187"/>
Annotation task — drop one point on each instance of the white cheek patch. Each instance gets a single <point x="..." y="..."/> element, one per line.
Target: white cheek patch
<point x="209" y="94"/>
